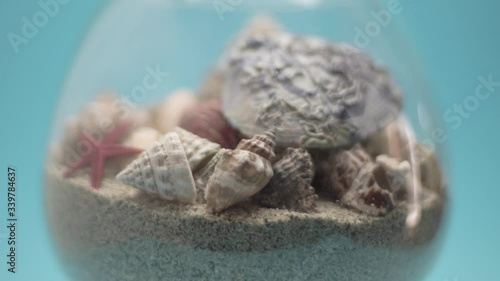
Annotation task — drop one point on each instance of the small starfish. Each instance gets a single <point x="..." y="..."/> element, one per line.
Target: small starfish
<point x="97" y="155"/>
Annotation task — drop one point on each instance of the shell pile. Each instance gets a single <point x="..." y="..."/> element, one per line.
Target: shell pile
<point x="284" y="121"/>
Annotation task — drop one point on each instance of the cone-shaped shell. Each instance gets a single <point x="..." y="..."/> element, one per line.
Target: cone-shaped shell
<point x="198" y="150"/>
<point x="326" y="95"/>
<point x="238" y="175"/>
<point x="343" y="167"/>
<point x="290" y="186"/>
<point x="162" y="170"/>
<point x="261" y="144"/>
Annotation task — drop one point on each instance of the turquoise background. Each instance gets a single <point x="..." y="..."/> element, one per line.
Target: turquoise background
<point x="457" y="41"/>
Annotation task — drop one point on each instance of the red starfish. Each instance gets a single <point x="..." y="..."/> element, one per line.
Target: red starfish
<point x="97" y="155"/>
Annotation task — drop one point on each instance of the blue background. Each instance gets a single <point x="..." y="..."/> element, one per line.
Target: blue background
<point x="457" y="41"/>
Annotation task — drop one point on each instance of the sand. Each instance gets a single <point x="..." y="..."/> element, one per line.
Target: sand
<point x="120" y="233"/>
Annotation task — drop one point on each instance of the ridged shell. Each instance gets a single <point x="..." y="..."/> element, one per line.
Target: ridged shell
<point x="202" y="176"/>
<point x="169" y="113"/>
<point x="398" y="174"/>
<point x="238" y="175"/>
<point x="261" y="144"/>
<point x="342" y="169"/>
<point x="370" y="192"/>
<point x="205" y="119"/>
<point x="198" y="150"/>
<point x="390" y="141"/>
<point x="325" y="95"/>
<point x="162" y="170"/>
<point x="290" y="187"/>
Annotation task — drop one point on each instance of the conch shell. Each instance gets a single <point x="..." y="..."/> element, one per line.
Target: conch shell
<point x="198" y="150"/>
<point x="240" y="173"/>
<point x="167" y="115"/>
<point x="162" y="170"/>
<point x="290" y="186"/>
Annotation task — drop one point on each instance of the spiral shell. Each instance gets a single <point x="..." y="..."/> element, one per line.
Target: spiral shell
<point x="238" y="175"/>
<point x="205" y="119"/>
<point x="342" y="169"/>
<point x="290" y="186"/>
<point x="198" y="150"/>
<point x="162" y="170"/>
<point x="261" y="144"/>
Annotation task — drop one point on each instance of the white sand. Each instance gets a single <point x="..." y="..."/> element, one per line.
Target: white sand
<point x="120" y="233"/>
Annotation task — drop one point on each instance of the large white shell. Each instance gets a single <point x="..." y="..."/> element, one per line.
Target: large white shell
<point x="238" y="175"/>
<point x="317" y="94"/>
<point x="168" y="114"/>
<point x="162" y="170"/>
<point x="198" y="150"/>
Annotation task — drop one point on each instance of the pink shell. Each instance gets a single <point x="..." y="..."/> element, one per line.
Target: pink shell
<point x="205" y="119"/>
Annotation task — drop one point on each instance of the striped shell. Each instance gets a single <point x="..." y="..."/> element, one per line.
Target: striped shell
<point x="290" y="187"/>
<point x="198" y="150"/>
<point x="162" y="170"/>
<point x="240" y="173"/>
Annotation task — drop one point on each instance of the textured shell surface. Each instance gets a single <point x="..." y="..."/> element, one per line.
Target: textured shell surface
<point x="290" y="187"/>
<point x="167" y="115"/>
<point x="317" y="94"/>
<point x="162" y="170"/>
<point x="342" y="169"/>
<point x="370" y="192"/>
<point x="205" y="119"/>
<point x="261" y="144"/>
<point x="198" y="150"/>
<point x="204" y="173"/>
<point x="238" y="175"/>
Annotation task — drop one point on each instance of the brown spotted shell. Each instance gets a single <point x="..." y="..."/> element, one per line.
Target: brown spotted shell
<point x="290" y="187"/>
<point x="238" y="175"/>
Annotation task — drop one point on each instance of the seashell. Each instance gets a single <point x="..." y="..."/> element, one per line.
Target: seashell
<point x="341" y="169"/>
<point x="324" y="95"/>
<point x="97" y="119"/>
<point x="142" y="138"/>
<point x="206" y="120"/>
<point x="397" y="173"/>
<point x="261" y="144"/>
<point x="198" y="150"/>
<point x="370" y="192"/>
<point x="212" y="86"/>
<point x="163" y="170"/>
<point x="168" y="114"/>
<point x="290" y="187"/>
<point x="430" y="169"/>
<point x="202" y="176"/>
<point x="238" y="175"/>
